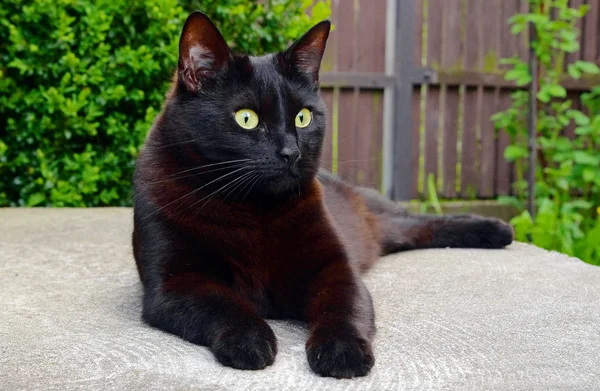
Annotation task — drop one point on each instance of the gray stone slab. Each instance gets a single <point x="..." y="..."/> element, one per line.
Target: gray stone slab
<point x="515" y="319"/>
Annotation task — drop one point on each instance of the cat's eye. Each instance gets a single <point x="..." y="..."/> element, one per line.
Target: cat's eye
<point x="247" y="119"/>
<point x="303" y="118"/>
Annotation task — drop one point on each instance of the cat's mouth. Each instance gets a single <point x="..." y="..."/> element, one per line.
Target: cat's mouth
<point x="286" y="170"/>
<point x="294" y="171"/>
<point x="283" y="181"/>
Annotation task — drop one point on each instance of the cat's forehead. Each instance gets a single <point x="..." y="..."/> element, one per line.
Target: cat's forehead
<point x="266" y="68"/>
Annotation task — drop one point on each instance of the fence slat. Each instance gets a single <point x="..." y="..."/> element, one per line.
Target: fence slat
<point x="416" y="142"/>
<point x="473" y="44"/>
<point x="452" y="52"/>
<point x="329" y="63"/>
<point x="371" y="48"/>
<point x="509" y="47"/>
<point x="370" y="57"/>
<point x="433" y="94"/>
<point x="572" y="57"/>
<point x="376" y="155"/>
<point x="327" y="95"/>
<point x="523" y="41"/>
<point x="471" y="136"/>
<point x="432" y="126"/>
<point x="503" y="168"/>
<point x="591" y="32"/>
<point x="417" y="138"/>
<point x="490" y="29"/>
<point x="509" y="43"/>
<point x="470" y="148"/>
<point x="347" y="109"/>
<point x="488" y="144"/>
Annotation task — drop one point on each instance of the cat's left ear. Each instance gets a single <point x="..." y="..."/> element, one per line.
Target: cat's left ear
<point x="306" y="53"/>
<point x="203" y="52"/>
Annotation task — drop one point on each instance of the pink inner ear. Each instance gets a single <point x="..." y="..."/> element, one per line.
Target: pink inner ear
<point x="202" y="60"/>
<point x="202" y="51"/>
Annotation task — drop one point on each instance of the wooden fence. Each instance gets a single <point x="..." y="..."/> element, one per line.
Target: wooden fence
<point x="443" y="70"/>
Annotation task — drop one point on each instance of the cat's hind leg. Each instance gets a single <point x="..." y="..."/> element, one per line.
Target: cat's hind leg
<point x="400" y="230"/>
<point x="410" y="232"/>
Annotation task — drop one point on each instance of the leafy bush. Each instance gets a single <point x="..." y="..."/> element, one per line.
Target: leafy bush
<point x="82" y="80"/>
<point x="567" y="194"/>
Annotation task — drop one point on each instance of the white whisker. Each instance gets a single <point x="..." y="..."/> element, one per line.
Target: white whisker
<point x="252" y="186"/>
<point x="196" y="190"/>
<point x="210" y="165"/>
<point x="173" y="177"/>
<point x="208" y="197"/>
<point x="240" y="186"/>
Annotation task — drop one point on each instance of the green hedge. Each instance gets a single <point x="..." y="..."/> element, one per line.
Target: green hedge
<point x="82" y="80"/>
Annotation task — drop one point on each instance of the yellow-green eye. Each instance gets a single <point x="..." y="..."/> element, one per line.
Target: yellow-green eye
<point x="303" y="118"/>
<point x="247" y="119"/>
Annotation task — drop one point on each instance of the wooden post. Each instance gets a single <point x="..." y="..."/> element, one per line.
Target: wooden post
<point x="389" y="116"/>
<point x="533" y="89"/>
<point x="403" y="89"/>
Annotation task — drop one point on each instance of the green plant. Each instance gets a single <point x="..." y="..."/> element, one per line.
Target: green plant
<point x="432" y="200"/>
<point x="82" y="80"/>
<point x="567" y="194"/>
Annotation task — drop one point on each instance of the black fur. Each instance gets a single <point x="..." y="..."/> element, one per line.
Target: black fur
<point x="233" y="226"/>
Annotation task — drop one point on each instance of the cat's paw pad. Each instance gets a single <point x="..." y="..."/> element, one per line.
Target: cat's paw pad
<point x="252" y="347"/>
<point x="340" y="356"/>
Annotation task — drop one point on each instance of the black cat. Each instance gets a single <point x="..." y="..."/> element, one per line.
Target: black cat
<point x="234" y="224"/>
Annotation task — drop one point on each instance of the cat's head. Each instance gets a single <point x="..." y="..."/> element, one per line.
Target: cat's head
<point x="265" y="113"/>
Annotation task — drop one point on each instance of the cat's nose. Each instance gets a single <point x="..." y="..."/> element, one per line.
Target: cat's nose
<point x="289" y="155"/>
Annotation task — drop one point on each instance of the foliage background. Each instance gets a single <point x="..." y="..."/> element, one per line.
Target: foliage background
<point x="567" y="191"/>
<point x="82" y="80"/>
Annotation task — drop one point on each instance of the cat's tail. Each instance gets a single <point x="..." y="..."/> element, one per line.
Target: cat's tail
<point x="401" y="231"/>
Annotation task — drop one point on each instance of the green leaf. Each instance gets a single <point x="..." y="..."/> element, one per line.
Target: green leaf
<point x="569" y="46"/>
<point x="583" y="157"/>
<point x="544" y="95"/>
<point x="574" y="71"/>
<point x="517" y="28"/>
<point x="522" y="77"/>
<point x="583" y="10"/>
<point x="523" y="225"/>
<point x="432" y="194"/>
<point x="589" y="175"/>
<point x="584" y="130"/>
<point x="36" y="199"/>
<point x="580" y="204"/>
<point x="588" y="67"/>
<point x="556" y="90"/>
<point x="563" y="144"/>
<point x="514" y="152"/>
<point x="580" y="118"/>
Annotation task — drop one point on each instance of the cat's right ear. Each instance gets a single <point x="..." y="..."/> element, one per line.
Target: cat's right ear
<point x="203" y="52"/>
<point x="306" y="53"/>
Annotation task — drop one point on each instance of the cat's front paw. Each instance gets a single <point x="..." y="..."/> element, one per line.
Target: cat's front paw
<point x="245" y="347"/>
<point x="340" y="356"/>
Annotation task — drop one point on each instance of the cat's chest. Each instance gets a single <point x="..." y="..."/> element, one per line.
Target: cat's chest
<point x="272" y="255"/>
<point x="265" y="247"/>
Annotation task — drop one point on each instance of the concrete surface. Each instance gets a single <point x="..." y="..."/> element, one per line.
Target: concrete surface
<point x="514" y="319"/>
